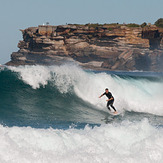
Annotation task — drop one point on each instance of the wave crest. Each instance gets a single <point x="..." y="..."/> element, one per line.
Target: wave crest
<point x="132" y="94"/>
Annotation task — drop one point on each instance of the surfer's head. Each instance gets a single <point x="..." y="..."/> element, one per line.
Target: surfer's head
<point x="106" y="90"/>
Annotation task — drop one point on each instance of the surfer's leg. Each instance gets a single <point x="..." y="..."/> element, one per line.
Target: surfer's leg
<point x="111" y="104"/>
<point x="108" y="106"/>
<point x="113" y="107"/>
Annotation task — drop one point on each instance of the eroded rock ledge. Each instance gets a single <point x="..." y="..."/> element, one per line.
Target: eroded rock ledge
<point x="112" y="47"/>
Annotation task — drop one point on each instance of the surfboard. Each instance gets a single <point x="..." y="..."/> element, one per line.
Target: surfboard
<point x="112" y="113"/>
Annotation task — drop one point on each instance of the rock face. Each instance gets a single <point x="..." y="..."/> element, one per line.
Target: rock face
<point x="113" y="47"/>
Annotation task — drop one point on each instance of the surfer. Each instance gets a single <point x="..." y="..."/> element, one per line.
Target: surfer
<point x="110" y="100"/>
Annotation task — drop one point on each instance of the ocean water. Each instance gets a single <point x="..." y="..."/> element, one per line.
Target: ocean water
<point x="53" y="114"/>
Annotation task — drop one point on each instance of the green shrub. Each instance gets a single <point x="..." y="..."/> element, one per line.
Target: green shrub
<point x="133" y="25"/>
<point x="143" y="24"/>
<point x="159" y="23"/>
<point x="110" y="29"/>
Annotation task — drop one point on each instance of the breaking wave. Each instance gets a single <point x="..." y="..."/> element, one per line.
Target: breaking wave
<point x="138" y="94"/>
<point x="126" y="142"/>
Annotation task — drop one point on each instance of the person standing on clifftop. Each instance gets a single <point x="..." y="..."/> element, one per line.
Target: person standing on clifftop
<point x="110" y="100"/>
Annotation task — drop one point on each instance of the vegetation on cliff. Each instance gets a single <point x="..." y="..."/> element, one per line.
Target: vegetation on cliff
<point x="159" y="23"/>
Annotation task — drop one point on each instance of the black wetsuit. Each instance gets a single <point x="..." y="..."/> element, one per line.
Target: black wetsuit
<point x="110" y="102"/>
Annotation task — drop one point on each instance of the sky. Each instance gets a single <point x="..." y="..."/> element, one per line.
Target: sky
<point x="21" y="14"/>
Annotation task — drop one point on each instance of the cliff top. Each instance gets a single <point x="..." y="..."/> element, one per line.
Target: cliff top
<point x="96" y="27"/>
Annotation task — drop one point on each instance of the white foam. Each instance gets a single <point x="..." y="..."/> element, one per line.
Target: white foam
<point x="33" y="75"/>
<point x="127" y="142"/>
<point x="136" y="95"/>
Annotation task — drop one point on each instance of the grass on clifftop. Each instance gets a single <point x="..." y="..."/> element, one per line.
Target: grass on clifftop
<point x="132" y="25"/>
<point x="158" y="23"/>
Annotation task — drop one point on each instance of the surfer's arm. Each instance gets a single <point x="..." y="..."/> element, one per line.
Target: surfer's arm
<point x="101" y="95"/>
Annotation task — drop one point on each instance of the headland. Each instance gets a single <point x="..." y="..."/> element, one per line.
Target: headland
<point x="108" y="46"/>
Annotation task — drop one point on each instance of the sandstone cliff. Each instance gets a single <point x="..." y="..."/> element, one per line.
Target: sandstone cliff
<point x="113" y="47"/>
